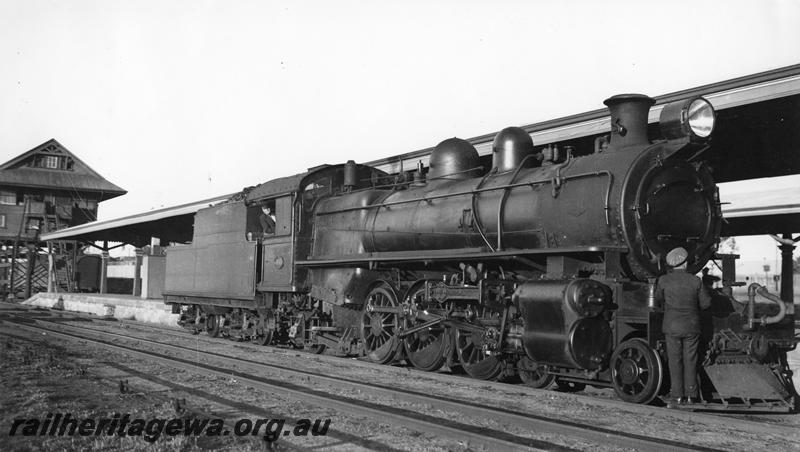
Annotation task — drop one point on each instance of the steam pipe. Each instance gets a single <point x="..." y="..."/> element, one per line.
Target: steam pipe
<point x="754" y="289"/>
<point x="501" y="207"/>
<point x="475" y="214"/>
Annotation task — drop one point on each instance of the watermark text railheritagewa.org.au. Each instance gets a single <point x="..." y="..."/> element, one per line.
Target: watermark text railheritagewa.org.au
<point x="64" y="424"/>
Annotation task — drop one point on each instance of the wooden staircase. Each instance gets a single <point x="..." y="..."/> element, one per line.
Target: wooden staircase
<point x="14" y="260"/>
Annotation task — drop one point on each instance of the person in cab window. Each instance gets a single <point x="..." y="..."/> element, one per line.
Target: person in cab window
<point x="267" y="221"/>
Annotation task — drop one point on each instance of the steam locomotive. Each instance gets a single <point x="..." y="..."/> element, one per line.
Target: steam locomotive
<point x="541" y="268"/>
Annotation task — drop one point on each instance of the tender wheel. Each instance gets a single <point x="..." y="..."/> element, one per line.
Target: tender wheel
<point x="474" y="360"/>
<point x="264" y="329"/>
<point x="212" y="325"/>
<point x="297" y="332"/>
<point x="636" y="371"/>
<point x="569" y="386"/>
<point x="264" y="338"/>
<point x="533" y="374"/>
<point x="425" y="349"/>
<point x="378" y="329"/>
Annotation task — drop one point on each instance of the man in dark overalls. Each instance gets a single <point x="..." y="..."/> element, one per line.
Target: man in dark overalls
<point x="267" y="221"/>
<point x="683" y="295"/>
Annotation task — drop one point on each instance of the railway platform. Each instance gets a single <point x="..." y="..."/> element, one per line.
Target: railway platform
<point x="127" y="307"/>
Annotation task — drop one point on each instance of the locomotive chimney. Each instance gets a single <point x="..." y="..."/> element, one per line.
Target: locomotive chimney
<point x="629" y="119"/>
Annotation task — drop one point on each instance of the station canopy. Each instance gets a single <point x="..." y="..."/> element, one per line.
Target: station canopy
<point x="171" y="224"/>
<point x="761" y="206"/>
<point x="756" y="133"/>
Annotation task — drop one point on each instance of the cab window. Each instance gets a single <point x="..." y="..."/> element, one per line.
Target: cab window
<point x="269" y="218"/>
<point x="261" y="220"/>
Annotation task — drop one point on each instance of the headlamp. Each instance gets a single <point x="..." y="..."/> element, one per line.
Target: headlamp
<point x="692" y="118"/>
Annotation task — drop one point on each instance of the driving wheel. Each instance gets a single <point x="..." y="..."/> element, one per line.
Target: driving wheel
<point x="475" y="361"/>
<point x="425" y="349"/>
<point x="379" y="328"/>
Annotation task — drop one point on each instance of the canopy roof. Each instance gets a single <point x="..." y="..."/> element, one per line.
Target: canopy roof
<point x="759" y="207"/>
<point x="172" y="224"/>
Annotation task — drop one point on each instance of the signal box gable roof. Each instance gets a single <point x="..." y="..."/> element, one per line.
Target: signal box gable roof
<point x="20" y="171"/>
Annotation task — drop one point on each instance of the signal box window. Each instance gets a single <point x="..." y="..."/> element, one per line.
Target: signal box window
<point x="34" y="225"/>
<point x="51" y="161"/>
<point x="8" y="198"/>
<point x="2" y="221"/>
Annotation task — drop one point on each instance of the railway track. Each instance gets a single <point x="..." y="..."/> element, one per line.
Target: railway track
<point x="472" y="435"/>
<point x="762" y="422"/>
<point x="492" y="439"/>
<point x="200" y="401"/>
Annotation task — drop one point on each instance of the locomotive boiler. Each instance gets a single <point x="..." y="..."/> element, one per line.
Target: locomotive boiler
<point x="540" y="264"/>
<point x="632" y="195"/>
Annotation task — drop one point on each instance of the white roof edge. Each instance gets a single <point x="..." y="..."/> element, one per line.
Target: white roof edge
<point x="759" y="212"/>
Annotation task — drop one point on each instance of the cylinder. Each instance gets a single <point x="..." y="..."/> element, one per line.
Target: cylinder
<point x="563" y="325"/>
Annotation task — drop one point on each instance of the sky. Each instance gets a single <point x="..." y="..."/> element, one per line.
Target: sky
<point x="177" y="101"/>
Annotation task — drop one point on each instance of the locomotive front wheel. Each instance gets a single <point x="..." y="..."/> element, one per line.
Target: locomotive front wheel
<point x="474" y="359"/>
<point x="378" y="329"/>
<point x="533" y="375"/>
<point x="425" y="349"/>
<point x="212" y="325"/>
<point x="636" y="371"/>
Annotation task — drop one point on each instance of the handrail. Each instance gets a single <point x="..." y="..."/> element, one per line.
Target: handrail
<point x="483" y="190"/>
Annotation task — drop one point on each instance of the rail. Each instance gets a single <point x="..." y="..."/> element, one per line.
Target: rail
<point x="484" y="436"/>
